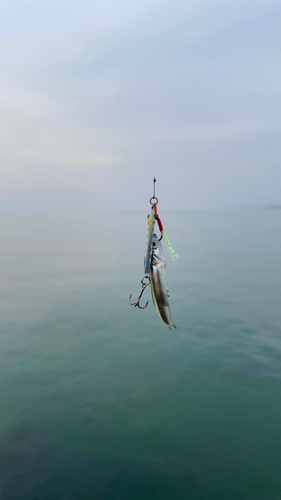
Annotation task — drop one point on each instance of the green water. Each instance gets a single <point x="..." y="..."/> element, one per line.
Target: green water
<point x="99" y="400"/>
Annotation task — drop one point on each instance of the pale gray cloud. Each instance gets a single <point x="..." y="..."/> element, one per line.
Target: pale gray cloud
<point x="96" y="97"/>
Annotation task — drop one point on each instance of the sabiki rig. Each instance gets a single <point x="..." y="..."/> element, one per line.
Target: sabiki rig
<point x="155" y="266"/>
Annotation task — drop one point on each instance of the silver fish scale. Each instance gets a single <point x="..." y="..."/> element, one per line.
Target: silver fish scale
<point x="159" y="289"/>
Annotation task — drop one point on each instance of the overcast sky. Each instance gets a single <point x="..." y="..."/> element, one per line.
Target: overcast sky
<point x="97" y="97"/>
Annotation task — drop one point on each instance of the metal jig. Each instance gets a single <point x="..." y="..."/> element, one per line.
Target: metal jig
<point x="144" y="285"/>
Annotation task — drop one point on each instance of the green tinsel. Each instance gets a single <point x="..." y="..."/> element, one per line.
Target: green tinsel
<point x="173" y="254"/>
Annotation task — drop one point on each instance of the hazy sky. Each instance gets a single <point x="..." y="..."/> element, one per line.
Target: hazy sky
<point x="97" y="97"/>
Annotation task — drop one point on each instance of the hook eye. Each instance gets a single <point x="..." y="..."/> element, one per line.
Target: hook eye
<point x="145" y="278"/>
<point x="153" y="202"/>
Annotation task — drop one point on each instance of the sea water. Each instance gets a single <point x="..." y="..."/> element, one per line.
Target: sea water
<point x="99" y="400"/>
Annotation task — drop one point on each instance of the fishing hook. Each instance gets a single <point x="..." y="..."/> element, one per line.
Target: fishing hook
<point x="144" y="285"/>
<point x="151" y="201"/>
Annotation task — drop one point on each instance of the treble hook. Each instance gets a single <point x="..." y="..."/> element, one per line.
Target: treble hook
<point x="144" y="285"/>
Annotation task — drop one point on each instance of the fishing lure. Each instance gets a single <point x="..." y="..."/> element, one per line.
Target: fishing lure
<point x="155" y="266"/>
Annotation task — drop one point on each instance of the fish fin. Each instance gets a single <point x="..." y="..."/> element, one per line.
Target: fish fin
<point x="174" y="326"/>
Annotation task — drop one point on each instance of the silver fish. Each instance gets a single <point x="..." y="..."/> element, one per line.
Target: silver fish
<point x="148" y="250"/>
<point x="159" y="290"/>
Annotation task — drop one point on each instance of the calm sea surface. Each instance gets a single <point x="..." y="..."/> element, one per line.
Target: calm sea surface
<point x="99" y="400"/>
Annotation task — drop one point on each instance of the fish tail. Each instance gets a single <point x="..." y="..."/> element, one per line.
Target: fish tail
<point x="172" y="325"/>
